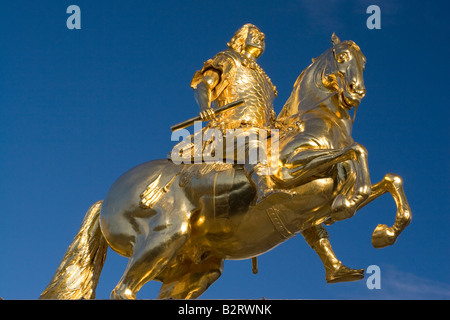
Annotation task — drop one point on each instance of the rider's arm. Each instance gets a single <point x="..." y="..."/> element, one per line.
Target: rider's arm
<point x="205" y="87"/>
<point x="209" y="82"/>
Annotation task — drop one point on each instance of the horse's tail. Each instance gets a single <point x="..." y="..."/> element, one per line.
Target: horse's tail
<point x="77" y="275"/>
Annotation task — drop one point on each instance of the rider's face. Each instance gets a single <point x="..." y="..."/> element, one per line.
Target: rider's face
<point x="254" y="43"/>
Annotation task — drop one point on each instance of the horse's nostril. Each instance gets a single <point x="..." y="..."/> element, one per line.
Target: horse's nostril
<point x="354" y="88"/>
<point x="351" y="87"/>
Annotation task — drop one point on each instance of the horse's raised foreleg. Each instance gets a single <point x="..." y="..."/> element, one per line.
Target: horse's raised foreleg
<point x="383" y="235"/>
<point x="344" y="206"/>
<point x="313" y="162"/>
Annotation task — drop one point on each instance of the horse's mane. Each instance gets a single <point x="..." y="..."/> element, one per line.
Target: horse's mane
<point x="320" y="68"/>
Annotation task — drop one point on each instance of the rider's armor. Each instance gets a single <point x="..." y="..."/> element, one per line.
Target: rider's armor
<point x="241" y="78"/>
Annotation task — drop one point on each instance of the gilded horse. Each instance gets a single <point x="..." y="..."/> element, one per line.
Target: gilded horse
<point x="178" y="223"/>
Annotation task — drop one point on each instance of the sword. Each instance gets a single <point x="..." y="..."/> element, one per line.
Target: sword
<point x="217" y="111"/>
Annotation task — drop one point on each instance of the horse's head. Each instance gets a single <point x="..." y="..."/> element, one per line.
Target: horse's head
<point x="345" y="72"/>
<point x="339" y="70"/>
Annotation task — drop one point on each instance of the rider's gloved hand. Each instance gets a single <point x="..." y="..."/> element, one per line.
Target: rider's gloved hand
<point x="207" y="114"/>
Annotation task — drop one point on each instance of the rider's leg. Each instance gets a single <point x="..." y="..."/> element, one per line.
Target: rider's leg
<point x="257" y="175"/>
<point x="318" y="239"/>
<point x="257" y="168"/>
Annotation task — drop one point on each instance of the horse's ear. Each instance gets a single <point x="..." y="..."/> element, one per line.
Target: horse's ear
<point x="334" y="39"/>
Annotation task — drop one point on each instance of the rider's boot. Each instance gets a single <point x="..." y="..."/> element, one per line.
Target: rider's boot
<point x="317" y="237"/>
<point x="264" y="187"/>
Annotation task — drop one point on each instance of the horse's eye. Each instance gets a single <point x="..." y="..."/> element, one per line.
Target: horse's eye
<point x="342" y="56"/>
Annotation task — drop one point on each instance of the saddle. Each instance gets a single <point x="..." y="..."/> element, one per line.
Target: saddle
<point x="221" y="186"/>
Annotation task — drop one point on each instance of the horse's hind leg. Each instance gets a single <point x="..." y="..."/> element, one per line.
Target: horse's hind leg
<point x="150" y="256"/>
<point x="189" y="280"/>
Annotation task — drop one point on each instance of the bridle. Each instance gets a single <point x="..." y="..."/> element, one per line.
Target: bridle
<point x="339" y="81"/>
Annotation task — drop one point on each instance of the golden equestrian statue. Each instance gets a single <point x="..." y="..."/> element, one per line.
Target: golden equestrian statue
<point x="177" y="220"/>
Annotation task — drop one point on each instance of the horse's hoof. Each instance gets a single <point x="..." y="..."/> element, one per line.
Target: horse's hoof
<point x="383" y="236"/>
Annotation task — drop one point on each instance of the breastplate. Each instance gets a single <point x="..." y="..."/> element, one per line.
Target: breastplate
<point x="252" y="85"/>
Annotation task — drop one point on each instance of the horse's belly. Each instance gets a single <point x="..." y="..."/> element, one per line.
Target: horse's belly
<point x="261" y="229"/>
<point x="245" y="237"/>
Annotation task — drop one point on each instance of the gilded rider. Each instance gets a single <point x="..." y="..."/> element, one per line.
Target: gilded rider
<point x="232" y="75"/>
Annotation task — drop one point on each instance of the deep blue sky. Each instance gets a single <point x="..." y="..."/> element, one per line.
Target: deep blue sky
<point x="80" y="107"/>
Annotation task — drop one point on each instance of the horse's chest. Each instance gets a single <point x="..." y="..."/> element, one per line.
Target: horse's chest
<point x="327" y="131"/>
<point x="340" y="138"/>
